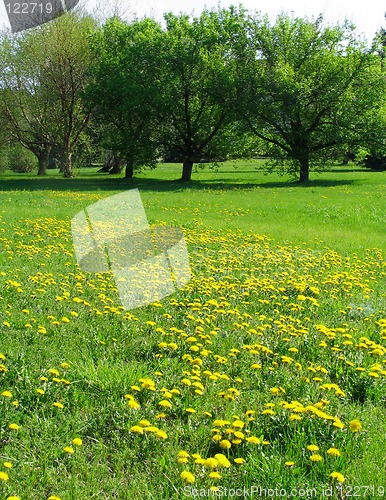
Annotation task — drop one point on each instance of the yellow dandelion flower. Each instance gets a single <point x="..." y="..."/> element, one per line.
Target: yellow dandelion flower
<point x="133" y="404"/>
<point x="144" y="423"/>
<point x="190" y="410"/>
<point x="6" y="394"/>
<point x="40" y="391"/>
<point x="222" y="460"/>
<point x="14" y="427"/>
<point x="312" y="447"/>
<point x="215" y="475"/>
<point x="333" y="452"/>
<point x="239" y="461"/>
<point x="225" y="444"/>
<point x="183" y="460"/>
<point x="211" y="462"/>
<point x="338" y="476"/>
<point x="220" y="423"/>
<point x="289" y="464"/>
<point x="13" y="497"/>
<point x="147" y="383"/>
<point x="77" y="442"/>
<point x="315" y="458"/>
<point x="8" y="465"/>
<point x="3" y="476"/>
<point x="187" y="476"/>
<point x="253" y="439"/>
<point x="165" y="403"/>
<point x="161" y="434"/>
<point x="239" y="424"/>
<point x="58" y="405"/>
<point x="69" y="449"/>
<point x="136" y="429"/>
<point x="355" y="425"/>
<point x="268" y="412"/>
<point x="152" y="428"/>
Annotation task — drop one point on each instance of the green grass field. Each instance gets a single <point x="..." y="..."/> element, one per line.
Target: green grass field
<point x="268" y="370"/>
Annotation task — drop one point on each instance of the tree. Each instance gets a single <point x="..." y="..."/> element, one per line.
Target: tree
<point x="123" y="90"/>
<point x="24" y="102"/>
<point x="372" y="150"/>
<point x="304" y="88"/>
<point x="43" y="72"/>
<point x="197" y="76"/>
<point x="65" y="72"/>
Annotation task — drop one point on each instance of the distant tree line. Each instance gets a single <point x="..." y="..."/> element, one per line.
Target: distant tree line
<point x="226" y="84"/>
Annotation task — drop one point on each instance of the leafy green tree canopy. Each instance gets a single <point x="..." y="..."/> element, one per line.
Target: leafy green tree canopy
<point x="197" y="75"/>
<point x="305" y="88"/>
<point x="124" y="90"/>
<point x="43" y="72"/>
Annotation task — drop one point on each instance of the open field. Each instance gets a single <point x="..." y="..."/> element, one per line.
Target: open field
<point x="341" y="208"/>
<point x="267" y="370"/>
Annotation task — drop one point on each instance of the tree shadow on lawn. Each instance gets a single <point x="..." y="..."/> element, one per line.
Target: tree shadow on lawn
<point x="93" y="184"/>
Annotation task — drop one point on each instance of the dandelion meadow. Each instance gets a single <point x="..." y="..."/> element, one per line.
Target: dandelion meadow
<point x="268" y="369"/>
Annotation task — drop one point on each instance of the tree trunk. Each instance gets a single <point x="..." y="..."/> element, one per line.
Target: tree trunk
<point x="304" y="169"/>
<point x="107" y="165"/>
<point x="62" y="158"/>
<point x="117" y="165"/>
<point x="129" y="172"/>
<point x="187" y="168"/>
<point x="43" y="163"/>
<point x="67" y="167"/>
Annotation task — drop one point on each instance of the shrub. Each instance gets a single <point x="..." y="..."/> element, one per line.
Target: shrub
<point x="21" y="160"/>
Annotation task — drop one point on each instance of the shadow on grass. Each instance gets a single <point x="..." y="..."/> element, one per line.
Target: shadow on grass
<point x="103" y="182"/>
